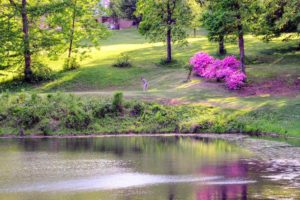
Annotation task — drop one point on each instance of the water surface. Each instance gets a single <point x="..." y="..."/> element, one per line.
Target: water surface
<point x="140" y="168"/>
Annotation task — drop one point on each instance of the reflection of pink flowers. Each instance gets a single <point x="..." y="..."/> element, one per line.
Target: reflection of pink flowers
<point x="227" y="69"/>
<point x="235" y="170"/>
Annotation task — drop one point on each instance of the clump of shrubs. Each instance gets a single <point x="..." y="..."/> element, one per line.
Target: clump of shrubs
<point x="117" y="103"/>
<point x="71" y="64"/>
<point x="123" y="61"/>
<point x="61" y="113"/>
<point x="227" y="70"/>
<point x="41" y="72"/>
<point x="138" y="109"/>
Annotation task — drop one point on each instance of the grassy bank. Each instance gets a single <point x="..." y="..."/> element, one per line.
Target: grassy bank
<point x="269" y="103"/>
<point x="58" y="113"/>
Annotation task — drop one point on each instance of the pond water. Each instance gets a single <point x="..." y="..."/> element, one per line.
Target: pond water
<point x="125" y="168"/>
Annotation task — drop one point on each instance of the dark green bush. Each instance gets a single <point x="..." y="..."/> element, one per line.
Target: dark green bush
<point x="24" y="117"/>
<point x="117" y="103"/>
<point x="137" y="110"/>
<point x="104" y="111"/>
<point x="122" y="61"/>
<point x="78" y="120"/>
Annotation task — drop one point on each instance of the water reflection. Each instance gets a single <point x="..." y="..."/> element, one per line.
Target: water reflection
<point x="236" y="169"/>
<point x="132" y="167"/>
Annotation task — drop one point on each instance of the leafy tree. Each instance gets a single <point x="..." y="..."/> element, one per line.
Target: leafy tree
<point x="237" y="19"/>
<point x="124" y="9"/>
<point x="22" y="33"/>
<point x="196" y="14"/>
<point x="278" y="17"/>
<point x="219" y="22"/>
<point x="10" y="37"/>
<point x="128" y="8"/>
<point x="164" y="20"/>
<point x="78" y="28"/>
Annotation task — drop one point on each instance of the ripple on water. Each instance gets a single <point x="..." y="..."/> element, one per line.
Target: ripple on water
<point x="120" y="181"/>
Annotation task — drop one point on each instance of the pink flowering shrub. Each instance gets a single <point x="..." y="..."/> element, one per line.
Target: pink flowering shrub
<point x="227" y="69"/>
<point x="200" y="62"/>
<point x="231" y="62"/>
<point x="235" y="80"/>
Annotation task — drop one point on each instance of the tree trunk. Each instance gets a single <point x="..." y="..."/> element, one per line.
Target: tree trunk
<point x="169" y="33"/>
<point x="27" y="53"/>
<point x="241" y="38"/>
<point x="169" y="46"/>
<point x="72" y="31"/>
<point x="195" y="32"/>
<point x="222" y="50"/>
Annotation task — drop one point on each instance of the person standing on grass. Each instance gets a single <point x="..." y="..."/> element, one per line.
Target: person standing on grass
<point x="145" y="84"/>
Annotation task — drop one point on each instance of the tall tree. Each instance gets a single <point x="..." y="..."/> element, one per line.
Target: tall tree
<point x="240" y="14"/>
<point x="219" y="22"/>
<point x="128" y="8"/>
<point x="76" y="27"/>
<point x="10" y="37"/>
<point x="278" y="17"/>
<point x="240" y="33"/>
<point x="196" y="10"/>
<point x="22" y="10"/>
<point x="164" y="20"/>
<point x="22" y="33"/>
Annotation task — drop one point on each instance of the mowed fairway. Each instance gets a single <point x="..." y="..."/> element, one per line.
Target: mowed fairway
<point x="277" y="63"/>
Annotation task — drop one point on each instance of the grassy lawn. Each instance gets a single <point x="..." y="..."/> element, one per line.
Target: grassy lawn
<point x="271" y="66"/>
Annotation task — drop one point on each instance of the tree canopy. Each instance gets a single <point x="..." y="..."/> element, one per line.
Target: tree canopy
<point x="164" y="21"/>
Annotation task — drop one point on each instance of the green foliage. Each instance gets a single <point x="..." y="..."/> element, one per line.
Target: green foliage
<point x="122" y="61"/>
<point x="71" y="64"/>
<point x="41" y="72"/>
<point x="77" y="119"/>
<point x="165" y="62"/>
<point x="221" y="21"/>
<point x="164" y="21"/>
<point x="104" y="111"/>
<point x="123" y="9"/>
<point x="218" y="20"/>
<point x="58" y="113"/>
<point x="79" y="27"/>
<point x="155" y="21"/>
<point x="138" y="109"/>
<point x="118" y="102"/>
<point x="50" y="32"/>
<point x="278" y="17"/>
<point x="196" y="11"/>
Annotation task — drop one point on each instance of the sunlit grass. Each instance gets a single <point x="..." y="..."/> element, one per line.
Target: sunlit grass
<point x="97" y="77"/>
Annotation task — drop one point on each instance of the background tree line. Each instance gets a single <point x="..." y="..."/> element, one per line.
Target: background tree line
<point x="170" y="20"/>
<point x="35" y="28"/>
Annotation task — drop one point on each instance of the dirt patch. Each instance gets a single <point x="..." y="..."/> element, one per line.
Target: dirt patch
<point x="277" y="87"/>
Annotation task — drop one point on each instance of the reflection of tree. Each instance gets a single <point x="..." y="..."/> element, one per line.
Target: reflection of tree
<point x="223" y="192"/>
<point x="171" y="155"/>
<point x="229" y="191"/>
<point x="119" y="145"/>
